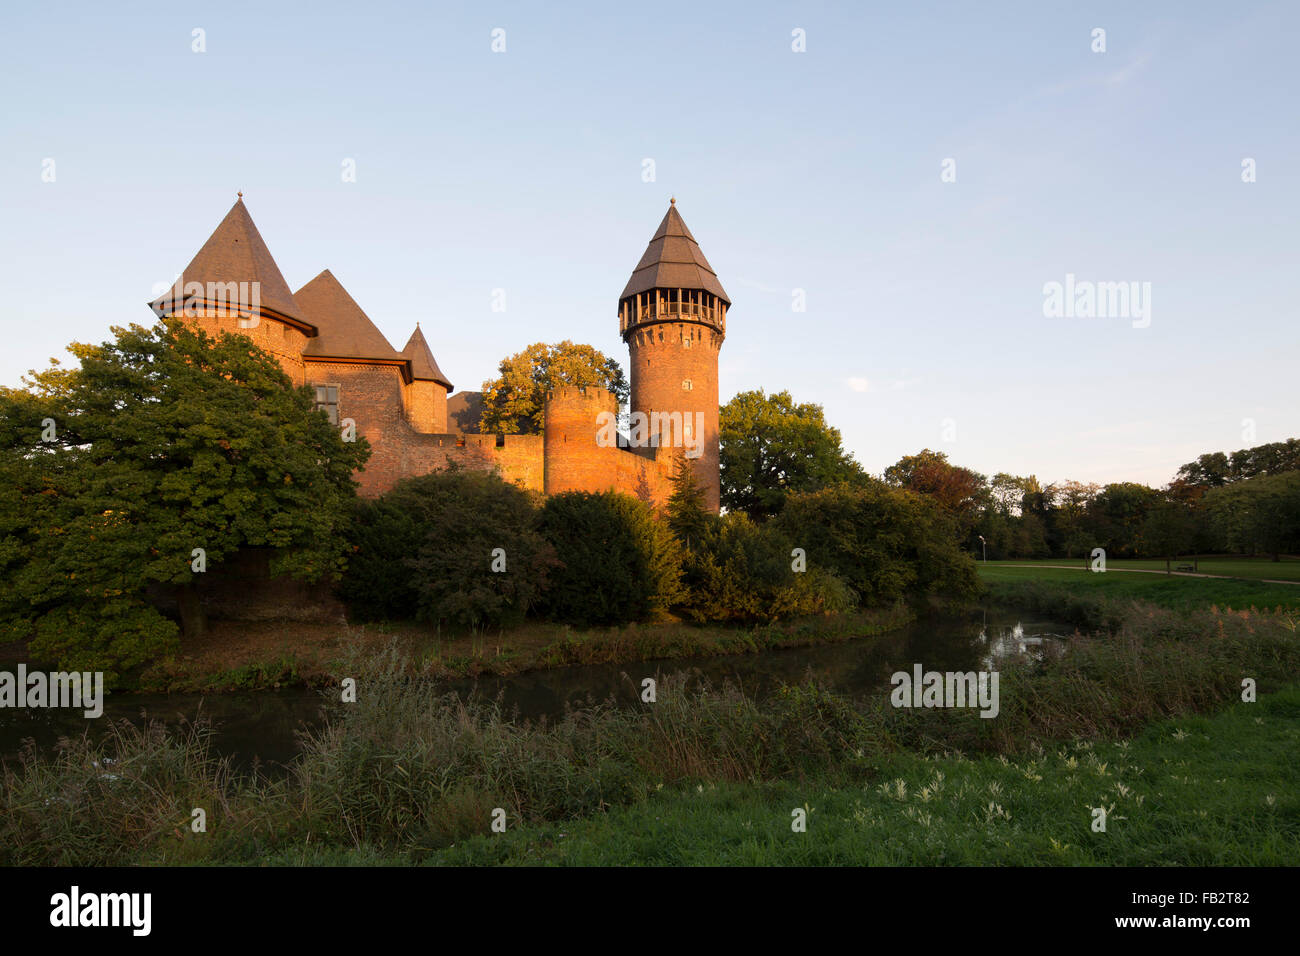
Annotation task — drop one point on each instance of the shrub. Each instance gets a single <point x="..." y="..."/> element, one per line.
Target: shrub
<point x="620" y="564"/>
<point x="425" y="550"/>
<point x="885" y="543"/>
<point x="736" y="570"/>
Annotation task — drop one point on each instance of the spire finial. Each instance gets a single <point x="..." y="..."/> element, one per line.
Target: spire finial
<point x="240" y="195"/>
<point x="672" y="201"/>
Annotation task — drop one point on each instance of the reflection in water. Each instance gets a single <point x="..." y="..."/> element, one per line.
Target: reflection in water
<point x="259" y="728"/>
<point x="1013" y="642"/>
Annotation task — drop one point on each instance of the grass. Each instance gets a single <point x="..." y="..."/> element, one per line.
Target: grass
<point x="408" y="775"/>
<point x="1207" y="791"/>
<point x="1041" y="586"/>
<point x="1287" y="569"/>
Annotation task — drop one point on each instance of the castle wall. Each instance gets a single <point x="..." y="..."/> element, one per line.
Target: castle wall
<point x="426" y="406"/>
<point x="574" y="459"/>
<point x="406" y="425"/>
<point x="284" y="342"/>
<point x="373" y="396"/>
<point x="644" y="477"/>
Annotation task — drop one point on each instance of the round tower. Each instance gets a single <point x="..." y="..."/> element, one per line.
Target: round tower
<point x="581" y="439"/>
<point x="673" y="316"/>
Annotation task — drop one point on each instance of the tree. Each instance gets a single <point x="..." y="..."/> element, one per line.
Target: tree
<point x="1258" y="514"/>
<point x="742" y="572"/>
<point x="886" y="543"/>
<point x="1167" y="530"/>
<point x="162" y="455"/>
<point x="456" y="547"/>
<point x="687" y="512"/>
<point x="1209" y="470"/>
<point x="619" y="563"/>
<point x="959" y="491"/>
<point x="514" y="402"/>
<point x="1069" y="526"/>
<point x="772" y="447"/>
<point x="1115" y="516"/>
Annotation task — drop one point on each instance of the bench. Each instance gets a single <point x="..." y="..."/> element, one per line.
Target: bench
<point x="1185" y="567"/>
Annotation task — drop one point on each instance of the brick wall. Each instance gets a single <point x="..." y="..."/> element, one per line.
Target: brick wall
<point x="426" y="406"/>
<point x="666" y="356"/>
<point x="284" y="342"/>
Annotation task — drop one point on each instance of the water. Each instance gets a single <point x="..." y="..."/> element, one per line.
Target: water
<point x="260" y="728"/>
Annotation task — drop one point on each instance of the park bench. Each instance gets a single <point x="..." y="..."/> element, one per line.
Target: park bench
<point x="1185" y="567"/>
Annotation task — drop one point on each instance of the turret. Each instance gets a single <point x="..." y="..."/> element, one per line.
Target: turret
<point x="673" y="317"/>
<point x="429" y="388"/>
<point x="581" y="439"/>
<point x="234" y="285"/>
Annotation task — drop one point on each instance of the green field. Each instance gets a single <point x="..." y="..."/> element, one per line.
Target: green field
<point x="1222" y="790"/>
<point x="1018" y="584"/>
<point x="1287" y="569"/>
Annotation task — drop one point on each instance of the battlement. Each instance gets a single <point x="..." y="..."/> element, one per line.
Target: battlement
<point x="582" y="395"/>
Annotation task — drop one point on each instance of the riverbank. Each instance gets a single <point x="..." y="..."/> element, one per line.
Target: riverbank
<point x="407" y="774"/>
<point x="237" y="656"/>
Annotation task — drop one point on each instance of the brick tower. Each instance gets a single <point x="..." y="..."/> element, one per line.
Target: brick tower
<point x="673" y="317"/>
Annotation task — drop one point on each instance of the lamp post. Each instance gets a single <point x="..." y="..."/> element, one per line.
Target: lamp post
<point x="984" y="545"/>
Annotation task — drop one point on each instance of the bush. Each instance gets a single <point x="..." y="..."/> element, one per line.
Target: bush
<point x="426" y="550"/>
<point x="620" y="564"/>
<point x="885" y="543"/>
<point x="736" y="570"/>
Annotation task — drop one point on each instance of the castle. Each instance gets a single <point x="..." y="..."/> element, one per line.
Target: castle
<point x="672" y="315"/>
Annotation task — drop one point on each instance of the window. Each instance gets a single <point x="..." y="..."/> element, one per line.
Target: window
<point x="327" y="398"/>
<point x="686" y="385"/>
<point x="686" y="342"/>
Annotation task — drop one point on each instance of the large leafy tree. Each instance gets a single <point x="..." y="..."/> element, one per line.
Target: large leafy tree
<point x="959" y="491"/>
<point x="514" y="401"/>
<point x="1167" y="530"/>
<point x="163" y="453"/>
<point x="886" y="543"/>
<point x="1258" y="515"/>
<point x="1117" y="514"/>
<point x="773" y="447"/>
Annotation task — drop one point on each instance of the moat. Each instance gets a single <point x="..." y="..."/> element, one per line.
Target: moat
<point x="260" y="728"/>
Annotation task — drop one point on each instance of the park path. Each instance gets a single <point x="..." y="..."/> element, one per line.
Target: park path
<point x="1176" y="574"/>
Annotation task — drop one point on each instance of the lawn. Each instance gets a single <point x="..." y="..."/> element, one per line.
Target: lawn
<point x="1012" y="584"/>
<point x="1287" y="569"/>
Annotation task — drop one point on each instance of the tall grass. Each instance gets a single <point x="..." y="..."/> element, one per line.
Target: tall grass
<point x="406" y="769"/>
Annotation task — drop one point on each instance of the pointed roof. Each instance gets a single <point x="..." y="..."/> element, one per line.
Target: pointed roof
<point x="235" y="252"/>
<point x="673" y="260"/>
<point x="423" y="365"/>
<point x="344" y="331"/>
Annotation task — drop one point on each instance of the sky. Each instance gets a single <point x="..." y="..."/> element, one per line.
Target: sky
<point x="915" y="177"/>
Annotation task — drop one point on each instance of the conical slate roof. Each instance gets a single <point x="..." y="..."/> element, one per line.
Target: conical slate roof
<point x="236" y="253"/>
<point x="344" y="331"/>
<point x="423" y="365"/>
<point x="673" y="260"/>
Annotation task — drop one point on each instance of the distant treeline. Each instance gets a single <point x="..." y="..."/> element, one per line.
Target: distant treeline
<point x="1247" y="502"/>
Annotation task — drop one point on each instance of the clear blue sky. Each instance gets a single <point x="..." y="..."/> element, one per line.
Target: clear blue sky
<point x="817" y="171"/>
